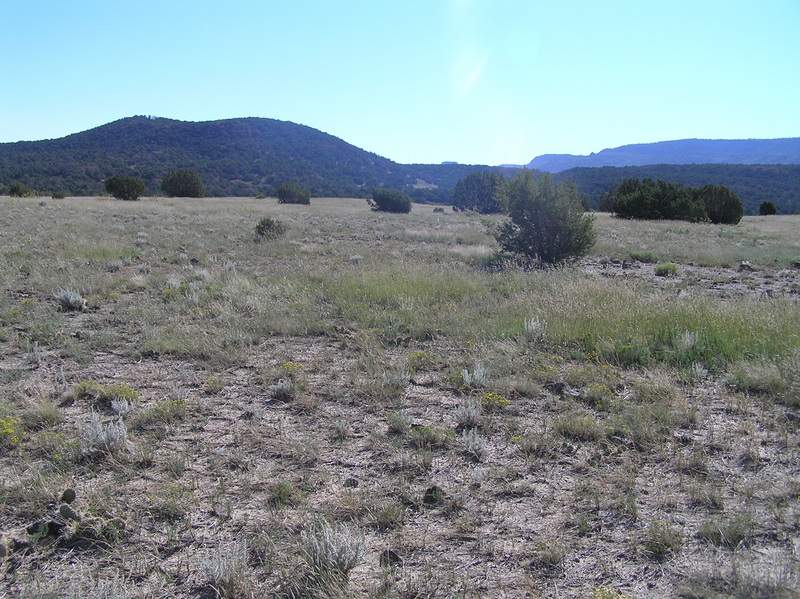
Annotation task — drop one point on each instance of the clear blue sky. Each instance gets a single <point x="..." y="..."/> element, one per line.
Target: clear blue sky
<point x="474" y="81"/>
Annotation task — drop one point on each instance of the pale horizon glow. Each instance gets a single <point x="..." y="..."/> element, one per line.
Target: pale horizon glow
<point x="470" y="81"/>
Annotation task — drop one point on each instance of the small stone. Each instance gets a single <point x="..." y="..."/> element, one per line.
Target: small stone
<point x="389" y="559"/>
<point x="433" y="495"/>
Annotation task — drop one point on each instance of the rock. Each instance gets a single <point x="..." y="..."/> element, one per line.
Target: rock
<point x="68" y="496"/>
<point x="389" y="559"/>
<point x="433" y="495"/>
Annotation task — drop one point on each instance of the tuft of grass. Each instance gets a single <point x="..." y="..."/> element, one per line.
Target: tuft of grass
<point x="665" y="269"/>
<point x="663" y="540"/>
<point x="730" y="533"/>
<point x="226" y="570"/>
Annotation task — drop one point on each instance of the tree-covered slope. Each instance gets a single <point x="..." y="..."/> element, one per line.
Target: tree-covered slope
<point x="233" y="157"/>
<point x="778" y="183"/>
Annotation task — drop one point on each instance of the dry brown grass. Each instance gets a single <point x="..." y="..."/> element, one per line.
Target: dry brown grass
<point x="580" y="472"/>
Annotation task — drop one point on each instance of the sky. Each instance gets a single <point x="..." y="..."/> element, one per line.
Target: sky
<point x="416" y="81"/>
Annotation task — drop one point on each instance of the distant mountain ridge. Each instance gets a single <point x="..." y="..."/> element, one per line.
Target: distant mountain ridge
<point x="685" y="151"/>
<point x="252" y="156"/>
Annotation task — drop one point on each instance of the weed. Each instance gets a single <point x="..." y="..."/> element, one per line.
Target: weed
<point x="479" y="376"/>
<point x="473" y="444"/>
<point x="331" y="551"/>
<point x="579" y="427"/>
<point x="10" y="432"/>
<point x="389" y="516"/>
<point x="283" y="493"/>
<point x="398" y="423"/>
<point x="468" y="414"/>
<point x="269" y="229"/>
<point x="105" y="438"/>
<point x="665" y="269"/>
<point x="431" y="437"/>
<point x="226" y="570"/>
<point x="730" y="533"/>
<point x="662" y="540"/>
<point x="69" y="300"/>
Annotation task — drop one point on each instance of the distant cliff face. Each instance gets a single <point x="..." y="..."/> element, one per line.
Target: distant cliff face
<point x="686" y="151"/>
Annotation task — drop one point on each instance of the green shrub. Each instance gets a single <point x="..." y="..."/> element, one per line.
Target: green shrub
<point x="125" y="187"/>
<point x="644" y="256"/>
<point x="663" y="540"/>
<point x="390" y="200"/>
<point x="723" y="207"/>
<point x="292" y="193"/>
<point x="269" y="228"/>
<point x="19" y="190"/>
<point x="665" y="269"/>
<point x="548" y="223"/>
<point x="767" y="208"/>
<point x="183" y="184"/>
<point x="481" y="192"/>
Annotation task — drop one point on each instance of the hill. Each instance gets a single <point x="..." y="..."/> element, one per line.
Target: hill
<point x="686" y="151"/>
<point x="234" y="157"/>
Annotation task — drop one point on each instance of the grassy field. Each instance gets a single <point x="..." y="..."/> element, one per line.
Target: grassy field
<point x="366" y="407"/>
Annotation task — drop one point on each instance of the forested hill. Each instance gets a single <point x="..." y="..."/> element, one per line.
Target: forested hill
<point x="685" y="151"/>
<point x="234" y="157"/>
<point x="778" y="183"/>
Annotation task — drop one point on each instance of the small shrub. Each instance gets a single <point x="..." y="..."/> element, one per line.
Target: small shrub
<point x="390" y="200"/>
<point x="69" y="300"/>
<point x="106" y="395"/>
<point x="477" y="378"/>
<point x="105" y="437"/>
<point x="473" y="444"/>
<point x="59" y="195"/>
<point x="226" y="570"/>
<point x="579" y="427"/>
<point x="292" y="193"/>
<point x="644" y="256"/>
<point x="431" y="437"/>
<point x="662" y="540"/>
<point x="606" y="593"/>
<point x="729" y="533"/>
<point x="268" y="229"/>
<point x="767" y="208"/>
<point x="331" y="551"/>
<point x="183" y="184"/>
<point x="283" y="390"/>
<point x="399" y="424"/>
<point x="665" y="269"/>
<point x="390" y="516"/>
<point x="125" y="187"/>
<point x="10" y="432"/>
<point x="468" y="414"/>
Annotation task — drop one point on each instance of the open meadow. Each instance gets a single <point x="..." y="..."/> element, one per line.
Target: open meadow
<point x="369" y="406"/>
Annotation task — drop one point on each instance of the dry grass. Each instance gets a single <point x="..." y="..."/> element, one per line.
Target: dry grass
<point x="597" y="432"/>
